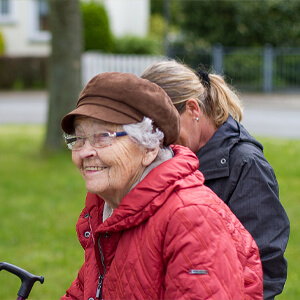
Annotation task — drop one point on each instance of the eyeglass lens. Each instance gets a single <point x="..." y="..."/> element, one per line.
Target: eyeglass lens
<point x="97" y="140"/>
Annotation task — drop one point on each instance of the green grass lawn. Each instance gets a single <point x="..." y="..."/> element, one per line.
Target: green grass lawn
<point x="283" y="155"/>
<point x="41" y="198"/>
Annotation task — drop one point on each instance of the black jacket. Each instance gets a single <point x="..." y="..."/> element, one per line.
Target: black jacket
<point x="235" y="168"/>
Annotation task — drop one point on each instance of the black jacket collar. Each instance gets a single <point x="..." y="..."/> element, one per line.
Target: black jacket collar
<point x="214" y="156"/>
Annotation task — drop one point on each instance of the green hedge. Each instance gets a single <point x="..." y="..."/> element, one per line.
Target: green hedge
<point x="244" y="70"/>
<point x="289" y="67"/>
<point x="138" y="45"/>
<point x="244" y="67"/>
<point x="96" y="29"/>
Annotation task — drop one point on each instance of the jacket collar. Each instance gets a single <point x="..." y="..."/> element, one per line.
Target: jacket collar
<point x="214" y="156"/>
<point x="168" y="154"/>
<point x="151" y="193"/>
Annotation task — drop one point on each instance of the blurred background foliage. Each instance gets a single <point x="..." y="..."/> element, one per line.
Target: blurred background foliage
<point x="96" y="30"/>
<point x="201" y="23"/>
<point x="1" y="44"/>
<point x="189" y="30"/>
<point x="98" y="35"/>
<point x="137" y="45"/>
<point x="234" y="23"/>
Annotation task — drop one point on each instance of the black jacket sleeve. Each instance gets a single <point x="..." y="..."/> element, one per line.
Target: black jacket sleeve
<point x="235" y="168"/>
<point x="255" y="201"/>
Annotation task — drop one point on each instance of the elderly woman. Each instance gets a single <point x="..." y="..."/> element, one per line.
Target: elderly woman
<point x="150" y="228"/>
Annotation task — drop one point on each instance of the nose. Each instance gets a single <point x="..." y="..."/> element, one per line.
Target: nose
<point x="87" y="150"/>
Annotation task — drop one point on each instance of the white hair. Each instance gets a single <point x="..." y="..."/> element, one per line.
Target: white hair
<point x="143" y="134"/>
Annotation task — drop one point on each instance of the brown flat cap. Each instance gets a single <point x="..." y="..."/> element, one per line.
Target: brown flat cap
<point x="124" y="98"/>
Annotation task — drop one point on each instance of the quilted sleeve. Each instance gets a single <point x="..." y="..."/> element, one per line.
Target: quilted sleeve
<point x="200" y="256"/>
<point x="75" y="291"/>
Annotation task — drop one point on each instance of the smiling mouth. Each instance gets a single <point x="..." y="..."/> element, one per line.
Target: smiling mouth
<point x="94" y="168"/>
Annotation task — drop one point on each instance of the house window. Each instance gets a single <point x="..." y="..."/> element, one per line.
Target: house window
<point x="43" y="15"/>
<point x="4" y="7"/>
<point x="39" y="28"/>
<point x="7" y="11"/>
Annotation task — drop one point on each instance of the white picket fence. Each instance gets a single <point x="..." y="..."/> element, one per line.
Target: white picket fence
<point x="94" y="63"/>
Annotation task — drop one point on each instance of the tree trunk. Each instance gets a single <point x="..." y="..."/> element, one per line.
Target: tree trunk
<point x="65" y="66"/>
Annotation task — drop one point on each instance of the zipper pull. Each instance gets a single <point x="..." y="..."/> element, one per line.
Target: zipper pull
<point x="99" y="288"/>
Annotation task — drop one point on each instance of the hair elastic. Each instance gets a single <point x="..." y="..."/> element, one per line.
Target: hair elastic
<point x="204" y="77"/>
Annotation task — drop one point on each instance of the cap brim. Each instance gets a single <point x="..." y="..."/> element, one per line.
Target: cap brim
<point x="105" y="114"/>
<point x="124" y="98"/>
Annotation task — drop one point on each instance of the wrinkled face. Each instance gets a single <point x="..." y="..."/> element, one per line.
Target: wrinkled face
<point x="109" y="171"/>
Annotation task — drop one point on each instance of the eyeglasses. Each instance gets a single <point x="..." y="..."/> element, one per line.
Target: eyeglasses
<point x="97" y="140"/>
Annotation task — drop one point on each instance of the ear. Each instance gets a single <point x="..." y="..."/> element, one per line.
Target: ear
<point x="192" y="108"/>
<point x="149" y="156"/>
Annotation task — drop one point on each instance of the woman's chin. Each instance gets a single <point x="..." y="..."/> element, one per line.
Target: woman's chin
<point x="94" y="189"/>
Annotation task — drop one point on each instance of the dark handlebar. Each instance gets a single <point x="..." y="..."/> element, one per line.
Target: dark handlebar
<point x="27" y="278"/>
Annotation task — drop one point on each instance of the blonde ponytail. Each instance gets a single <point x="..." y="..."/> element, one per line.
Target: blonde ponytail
<point x="216" y="99"/>
<point x="225" y="100"/>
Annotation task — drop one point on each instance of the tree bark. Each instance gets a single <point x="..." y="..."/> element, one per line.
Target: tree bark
<point x="65" y="66"/>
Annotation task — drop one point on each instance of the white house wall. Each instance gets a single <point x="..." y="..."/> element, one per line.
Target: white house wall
<point x="127" y="17"/>
<point x="20" y="36"/>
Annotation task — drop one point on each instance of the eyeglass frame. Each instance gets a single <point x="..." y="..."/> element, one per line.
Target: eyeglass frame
<point x="111" y="135"/>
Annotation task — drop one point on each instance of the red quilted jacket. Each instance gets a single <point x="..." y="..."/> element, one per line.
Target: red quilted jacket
<point x="170" y="238"/>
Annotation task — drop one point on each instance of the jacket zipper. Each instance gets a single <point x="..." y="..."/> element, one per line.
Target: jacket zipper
<point x="101" y="277"/>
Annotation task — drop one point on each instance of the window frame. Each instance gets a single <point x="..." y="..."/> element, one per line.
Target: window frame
<point x="35" y="34"/>
<point x="10" y="17"/>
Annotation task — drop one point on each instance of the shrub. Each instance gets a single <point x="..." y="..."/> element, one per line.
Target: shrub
<point x="194" y="54"/>
<point x="138" y="45"/>
<point x="244" y="68"/>
<point x="2" y="46"/>
<point x="96" y="29"/>
<point x="288" y="66"/>
<point x="158" y="26"/>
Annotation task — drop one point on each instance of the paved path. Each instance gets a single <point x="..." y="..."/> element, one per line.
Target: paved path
<point x="275" y="115"/>
<point x="264" y="115"/>
<point x="23" y="107"/>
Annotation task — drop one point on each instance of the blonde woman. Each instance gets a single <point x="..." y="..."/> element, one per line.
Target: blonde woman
<point x="231" y="160"/>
